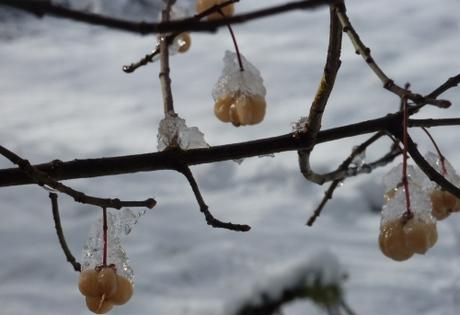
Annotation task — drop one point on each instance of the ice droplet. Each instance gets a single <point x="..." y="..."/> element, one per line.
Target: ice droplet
<point x="173" y="131"/>
<point x="238" y="161"/>
<point x="119" y="224"/>
<point x="233" y="81"/>
<point x="434" y="160"/>
<point x="358" y="160"/>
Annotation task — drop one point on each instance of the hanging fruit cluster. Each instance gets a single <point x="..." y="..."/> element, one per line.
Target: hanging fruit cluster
<point x="403" y="233"/>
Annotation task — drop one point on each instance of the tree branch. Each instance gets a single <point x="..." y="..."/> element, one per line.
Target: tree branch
<point x="210" y="219"/>
<point x="388" y="83"/>
<point x="322" y="95"/>
<point x="168" y="159"/>
<point x="41" y="178"/>
<point x="46" y="7"/>
<point x="60" y="233"/>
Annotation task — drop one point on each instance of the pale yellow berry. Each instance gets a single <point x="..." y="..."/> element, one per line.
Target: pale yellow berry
<point x="250" y="109"/>
<point x="123" y="293"/>
<point x="443" y="203"/>
<point x="88" y="283"/>
<point x="184" y="42"/>
<point x="107" y="281"/>
<point x="98" y="305"/>
<point x="392" y="241"/>
<point x="419" y="235"/>
<point x="222" y="108"/>
<point x="203" y="5"/>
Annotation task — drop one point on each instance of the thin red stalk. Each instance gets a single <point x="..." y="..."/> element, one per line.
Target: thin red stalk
<point x="104" y="228"/>
<point x="441" y="156"/>
<point x="405" y="156"/>
<point x="235" y="43"/>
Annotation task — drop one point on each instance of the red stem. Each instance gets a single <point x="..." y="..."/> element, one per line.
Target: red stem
<point x="404" y="175"/>
<point x="441" y="156"/>
<point x="235" y="43"/>
<point x="104" y="228"/>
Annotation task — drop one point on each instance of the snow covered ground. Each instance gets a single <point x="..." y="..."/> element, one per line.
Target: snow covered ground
<point x="63" y="95"/>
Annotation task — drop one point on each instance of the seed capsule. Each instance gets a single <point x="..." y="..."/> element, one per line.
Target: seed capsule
<point x="203" y="5"/>
<point x="184" y="42"/>
<point x="419" y="235"/>
<point x="392" y="241"/>
<point x="123" y="293"/>
<point x="107" y="281"/>
<point x="98" y="305"/>
<point x="443" y="203"/>
<point x="88" y="283"/>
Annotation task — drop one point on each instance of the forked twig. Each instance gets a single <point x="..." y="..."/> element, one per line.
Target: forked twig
<point x="388" y="83"/>
<point x="210" y="219"/>
<point x="60" y="233"/>
<point x="41" y="178"/>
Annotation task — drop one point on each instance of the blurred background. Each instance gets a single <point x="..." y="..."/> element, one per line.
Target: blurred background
<point x="63" y="96"/>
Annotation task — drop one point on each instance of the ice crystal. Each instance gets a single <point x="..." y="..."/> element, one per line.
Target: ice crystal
<point x="174" y="132"/>
<point x="234" y="82"/>
<point x="301" y="125"/>
<point x="358" y="161"/>
<point x="119" y="224"/>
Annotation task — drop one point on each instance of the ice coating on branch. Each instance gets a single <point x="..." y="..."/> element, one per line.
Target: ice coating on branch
<point x="119" y="224"/>
<point x="173" y="132"/>
<point x="434" y="160"/>
<point x="322" y="270"/>
<point x="233" y="81"/>
<point x="359" y="160"/>
<point x="301" y="125"/>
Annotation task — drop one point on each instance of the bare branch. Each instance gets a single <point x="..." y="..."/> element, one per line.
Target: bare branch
<point x="168" y="159"/>
<point x="60" y="233"/>
<point x="450" y="83"/>
<point x="324" y="90"/>
<point x="210" y="219"/>
<point x="434" y="122"/>
<point x="42" y="178"/>
<point x="388" y="83"/>
<point x="344" y="171"/>
<point x="46" y="7"/>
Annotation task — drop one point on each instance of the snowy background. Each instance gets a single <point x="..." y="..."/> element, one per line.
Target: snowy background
<point x="63" y="95"/>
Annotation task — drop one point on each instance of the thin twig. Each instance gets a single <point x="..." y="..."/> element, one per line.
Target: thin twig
<point x="164" y="76"/>
<point x="438" y="150"/>
<point x="42" y="178"/>
<point x="46" y="7"/>
<point x="388" y="83"/>
<point x="60" y="233"/>
<point x="346" y="307"/>
<point x="408" y="214"/>
<point x="322" y="95"/>
<point x="168" y="159"/>
<point x="450" y="83"/>
<point x="170" y="38"/>
<point x="210" y="219"/>
<point x="342" y="168"/>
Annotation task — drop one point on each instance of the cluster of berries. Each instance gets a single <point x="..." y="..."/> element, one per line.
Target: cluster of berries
<point x="104" y="288"/>
<point x="403" y="233"/>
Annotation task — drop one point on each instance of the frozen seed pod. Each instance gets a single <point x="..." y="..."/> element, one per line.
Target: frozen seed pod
<point x="419" y="235"/>
<point x="443" y="203"/>
<point x="98" y="305"/>
<point x="107" y="281"/>
<point x="88" y="283"/>
<point x="183" y="42"/>
<point x="392" y="241"/>
<point x="123" y="293"/>
<point x="203" y="5"/>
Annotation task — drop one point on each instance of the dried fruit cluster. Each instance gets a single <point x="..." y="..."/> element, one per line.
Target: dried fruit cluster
<point x="103" y="288"/>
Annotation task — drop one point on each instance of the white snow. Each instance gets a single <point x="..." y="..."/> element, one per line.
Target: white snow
<point x="63" y="95"/>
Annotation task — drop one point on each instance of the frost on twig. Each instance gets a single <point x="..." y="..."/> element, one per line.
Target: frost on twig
<point x="119" y="224"/>
<point x="173" y="132"/>
<point x="319" y="279"/>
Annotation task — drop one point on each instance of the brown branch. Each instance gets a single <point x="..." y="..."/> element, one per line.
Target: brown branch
<point x="164" y="76"/>
<point x="322" y="95"/>
<point x="41" y="178"/>
<point x="46" y="7"/>
<point x="388" y="83"/>
<point x="60" y="233"/>
<point x="170" y="38"/>
<point x="210" y="219"/>
<point x="167" y="160"/>
<point x="343" y="170"/>
<point x="434" y="122"/>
